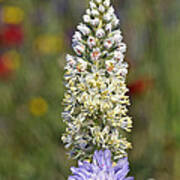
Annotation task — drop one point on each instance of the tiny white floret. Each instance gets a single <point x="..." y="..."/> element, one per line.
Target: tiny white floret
<point x="86" y="18"/>
<point x="107" y="3"/>
<point x="91" y="41"/>
<point x="95" y="12"/>
<point x="95" y="22"/>
<point x="108" y="27"/>
<point x="77" y="37"/>
<point x="92" y="5"/>
<point x="100" y="33"/>
<point x="95" y="54"/>
<point x="83" y="28"/>
<point x="101" y="8"/>
<point x="107" y="17"/>
<point x="99" y="1"/>
<point x="108" y="43"/>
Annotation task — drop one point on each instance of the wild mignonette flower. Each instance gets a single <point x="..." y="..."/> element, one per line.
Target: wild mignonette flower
<point x="83" y="29"/>
<point x="108" y="43"/>
<point x="91" y="41"/>
<point x="86" y="18"/>
<point x="95" y="100"/>
<point x="98" y="1"/>
<point x="79" y="48"/>
<point x="77" y="37"/>
<point x="95" y="12"/>
<point x="95" y="22"/>
<point x="101" y="8"/>
<point x="106" y="3"/>
<point x="100" y="33"/>
<point x="95" y="54"/>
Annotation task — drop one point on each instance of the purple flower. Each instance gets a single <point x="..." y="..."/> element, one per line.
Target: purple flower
<point x="101" y="168"/>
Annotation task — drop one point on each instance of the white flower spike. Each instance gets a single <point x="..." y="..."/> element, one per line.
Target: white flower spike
<point x="95" y="100"/>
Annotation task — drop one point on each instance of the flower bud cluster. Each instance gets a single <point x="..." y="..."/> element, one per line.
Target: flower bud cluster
<point x="95" y="79"/>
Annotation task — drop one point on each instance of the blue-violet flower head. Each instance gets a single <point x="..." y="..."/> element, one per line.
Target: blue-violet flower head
<point x="101" y="168"/>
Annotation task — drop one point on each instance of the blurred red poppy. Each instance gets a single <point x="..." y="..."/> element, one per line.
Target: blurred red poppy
<point x="12" y="35"/>
<point x="5" y="71"/>
<point x="139" y="87"/>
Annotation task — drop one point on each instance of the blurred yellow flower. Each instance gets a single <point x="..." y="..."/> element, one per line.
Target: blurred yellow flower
<point x="38" y="106"/>
<point x="12" y="15"/>
<point x="48" y="44"/>
<point x="12" y="59"/>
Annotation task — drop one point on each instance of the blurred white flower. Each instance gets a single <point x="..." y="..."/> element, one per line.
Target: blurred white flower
<point x="95" y="54"/>
<point x="100" y="33"/>
<point x="118" y="56"/>
<point x="92" y="5"/>
<point x="107" y="3"/>
<point x="101" y="8"/>
<point x="77" y="37"/>
<point x="88" y="11"/>
<point x="95" y="22"/>
<point x="108" y="27"/>
<point x="95" y="12"/>
<point x="107" y="17"/>
<point x="79" y="48"/>
<point x="83" y="28"/>
<point x="91" y="41"/>
<point x="108" y="43"/>
<point x="86" y="18"/>
<point x="99" y="1"/>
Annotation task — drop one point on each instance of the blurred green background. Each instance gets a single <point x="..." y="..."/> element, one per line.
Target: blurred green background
<point x="35" y="35"/>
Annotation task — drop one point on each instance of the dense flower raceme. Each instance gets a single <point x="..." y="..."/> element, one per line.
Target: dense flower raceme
<point x="96" y="94"/>
<point x="101" y="168"/>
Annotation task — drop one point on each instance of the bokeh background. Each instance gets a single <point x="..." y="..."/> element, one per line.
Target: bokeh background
<point x="35" y="35"/>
